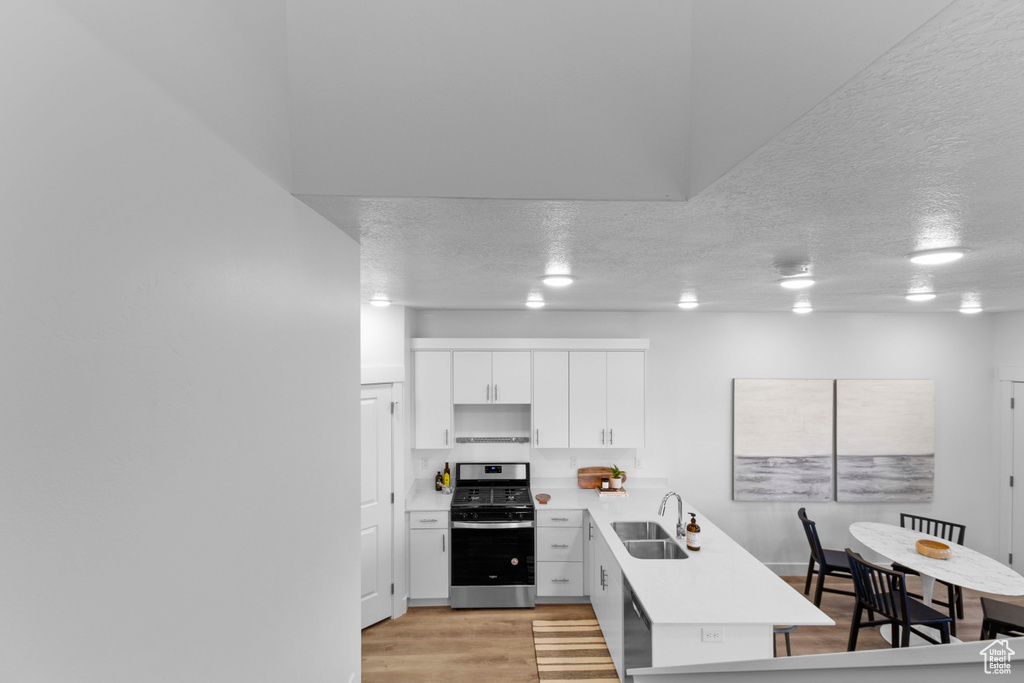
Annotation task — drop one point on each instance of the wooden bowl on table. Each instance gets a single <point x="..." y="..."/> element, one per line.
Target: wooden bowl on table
<point x="934" y="549"/>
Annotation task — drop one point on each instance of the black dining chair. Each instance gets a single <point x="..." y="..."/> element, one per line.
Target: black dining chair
<point x="949" y="531"/>
<point x="830" y="562"/>
<point x="1001" y="617"/>
<point x="883" y="591"/>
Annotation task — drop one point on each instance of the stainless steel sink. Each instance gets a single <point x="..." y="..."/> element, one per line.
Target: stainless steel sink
<point x="655" y="550"/>
<point x="638" y="531"/>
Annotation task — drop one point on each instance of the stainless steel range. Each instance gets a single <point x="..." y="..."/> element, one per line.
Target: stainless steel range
<point x="493" y="531"/>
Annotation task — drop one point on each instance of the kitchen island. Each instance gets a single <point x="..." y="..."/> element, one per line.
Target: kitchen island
<point x="721" y="589"/>
<point x="720" y="592"/>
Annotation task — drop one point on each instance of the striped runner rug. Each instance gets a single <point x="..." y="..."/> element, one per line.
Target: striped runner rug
<point x="572" y="650"/>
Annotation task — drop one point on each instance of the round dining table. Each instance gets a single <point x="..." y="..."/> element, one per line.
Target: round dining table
<point x="966" y="568"/>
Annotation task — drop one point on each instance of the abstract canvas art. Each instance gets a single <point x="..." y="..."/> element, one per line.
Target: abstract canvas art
<point x="885" y="440"/>
<point x="782" y="439"/>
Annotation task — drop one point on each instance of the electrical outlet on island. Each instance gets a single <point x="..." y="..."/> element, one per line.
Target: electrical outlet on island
<point x="712" y="635"/>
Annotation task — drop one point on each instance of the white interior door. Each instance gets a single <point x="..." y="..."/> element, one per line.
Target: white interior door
<point x="375" y="497"/>
<point x="1017" y="492"/>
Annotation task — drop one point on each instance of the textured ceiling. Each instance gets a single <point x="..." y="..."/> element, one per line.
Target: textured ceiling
<point x="922" y="149"/>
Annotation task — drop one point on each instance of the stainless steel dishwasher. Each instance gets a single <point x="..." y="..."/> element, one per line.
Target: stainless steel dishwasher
<point x="636" y="632"/>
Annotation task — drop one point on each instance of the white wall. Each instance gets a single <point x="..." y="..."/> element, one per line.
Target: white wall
<point x="382" y="344"/>
<point x="1009" y="339"/>
<point x="693" y="359"/>
<point x="223" y="60"/>
<point x="179" y="400"/>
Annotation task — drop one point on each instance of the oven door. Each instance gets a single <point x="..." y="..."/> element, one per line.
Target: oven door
<point x="493" y="554"/>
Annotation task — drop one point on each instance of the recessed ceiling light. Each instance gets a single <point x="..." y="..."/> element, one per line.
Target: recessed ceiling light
<point x="802" y="309"/>
<point x="558" y="280"/>
<point x="380" y="302"/>
<point x="920" y="296"/>
<point x="535" y="303"/>
<point x="688" y="304"/>
<point x="932" y="257"/>
<point x="797" y="282"/>
<point x="971" y="309"/>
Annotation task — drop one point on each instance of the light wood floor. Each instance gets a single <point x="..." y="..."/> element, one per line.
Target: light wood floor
<point x="440" y="644"/>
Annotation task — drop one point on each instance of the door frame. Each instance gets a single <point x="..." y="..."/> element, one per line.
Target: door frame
<point x="1008" y="376"/>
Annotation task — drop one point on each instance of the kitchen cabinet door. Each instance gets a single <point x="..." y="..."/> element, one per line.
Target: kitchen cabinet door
<point x="625" y="399"/>
<point x="428" y="563"/>
<point x="551" y="399"/>
<point x="606" y="599"/>
<point x="432" y="399"/>
<point x="471" y="376"/>
<point x="511" y="377"/>
<point x="587" y="390"/>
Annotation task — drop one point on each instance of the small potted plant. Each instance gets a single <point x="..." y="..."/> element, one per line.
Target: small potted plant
<point x="616" y="478"/>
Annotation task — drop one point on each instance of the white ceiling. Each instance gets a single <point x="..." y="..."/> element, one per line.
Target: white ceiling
<point x="561" y="127"/>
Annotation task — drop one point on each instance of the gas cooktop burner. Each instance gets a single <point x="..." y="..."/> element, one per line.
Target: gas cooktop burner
<point x="492" y="497"/>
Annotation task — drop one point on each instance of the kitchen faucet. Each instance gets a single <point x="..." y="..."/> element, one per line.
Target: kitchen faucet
<point x="680" y="530"/>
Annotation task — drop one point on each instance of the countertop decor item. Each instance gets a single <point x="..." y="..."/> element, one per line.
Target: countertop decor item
<point x="590" y="477"/>
<point x="542" y="498"/>
<point x="934" y="549"/>
<point x="617" y="477"/>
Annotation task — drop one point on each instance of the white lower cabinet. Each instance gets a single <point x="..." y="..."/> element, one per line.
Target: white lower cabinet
<point x="606" y="599"/>
<point x="428" y="555"/>
<point x="560" y="553"/>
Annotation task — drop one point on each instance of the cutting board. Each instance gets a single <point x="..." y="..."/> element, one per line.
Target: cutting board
<point x="590" y="477"/>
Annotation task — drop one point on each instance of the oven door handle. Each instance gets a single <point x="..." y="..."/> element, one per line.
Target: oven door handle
<point x="492" y="525"/>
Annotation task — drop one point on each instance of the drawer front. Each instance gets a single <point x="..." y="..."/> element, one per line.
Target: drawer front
<point x="560" y="578"/>
<point x="430" y="519"/>
<point x="561" y="544"/>
<point x="559" y="517"/>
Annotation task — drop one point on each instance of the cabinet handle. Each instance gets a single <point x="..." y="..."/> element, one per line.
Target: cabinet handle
<point x="559" y="545"/>
<point x="444" y="545"/>
<point x="428" y="520"/>
<point x="559" y="580"/>
<point x="495" y="393"/>
<point x="538" y="436"/>
<point x="446" y="437"/>
<point x="559" y="519"/>
<point x="602" y="578"/>
<point x="602" y="437"/>
<point x="611" y="437"/>
<point x="488" y="393"/>
<point x="590" y="532"/>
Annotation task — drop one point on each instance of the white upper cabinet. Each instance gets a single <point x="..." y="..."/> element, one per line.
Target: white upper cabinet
<point x="432" y="399"/>
<point x="626" y="399"/>
<point x="551" y="399"/>
<point x="606" y="399"/>
<point x="491" y="377"/>
<point x="588" y="412"/>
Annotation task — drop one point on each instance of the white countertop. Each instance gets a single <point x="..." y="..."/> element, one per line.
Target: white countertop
<point x="428" y="499"/>
<point x="720" y="584"/>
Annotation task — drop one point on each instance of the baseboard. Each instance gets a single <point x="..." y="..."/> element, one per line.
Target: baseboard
<point x="788" y="568"/>
<point x="562" y="599"/>
<point x="428" y="602"/>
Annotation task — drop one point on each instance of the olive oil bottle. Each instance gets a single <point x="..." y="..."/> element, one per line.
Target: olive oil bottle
<point x="447" y="475"/>
<point x="693" y="533"/>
